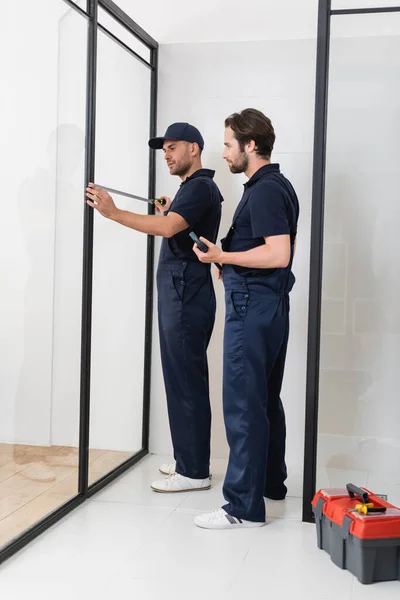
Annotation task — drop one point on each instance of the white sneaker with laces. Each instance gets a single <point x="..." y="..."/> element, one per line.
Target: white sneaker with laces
<point x="169" y="469"/>
<point x="175" y="483"/>
<point x="219" y="519"/>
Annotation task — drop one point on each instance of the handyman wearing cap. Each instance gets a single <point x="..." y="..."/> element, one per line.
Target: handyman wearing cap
<point x="186" y="300"/>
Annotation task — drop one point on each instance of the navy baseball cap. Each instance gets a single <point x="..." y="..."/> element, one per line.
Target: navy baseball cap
<point x="179" y="132"/>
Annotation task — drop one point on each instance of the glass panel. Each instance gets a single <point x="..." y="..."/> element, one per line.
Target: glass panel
<point x="42" y="120"/>
<point x="123" y="34"/>
<point x="348" y="4"/>
<point x="123" y="119"/>
<point x="365" y="25"/>
<point x="359" y="413"/>
<point x="119" y="297"/>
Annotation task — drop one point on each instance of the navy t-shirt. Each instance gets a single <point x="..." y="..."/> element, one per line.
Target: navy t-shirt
<point x="198" y="201"/>
<point x="269" y="207"/>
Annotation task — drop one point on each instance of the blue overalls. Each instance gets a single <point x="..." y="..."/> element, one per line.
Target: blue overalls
<point x="186" y="315"/>
<point x="255" y="344"/>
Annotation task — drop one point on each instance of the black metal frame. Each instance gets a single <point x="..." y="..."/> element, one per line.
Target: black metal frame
<point x="84" y="490"/>
<point x="317" y="225"/>
<point x="317" y="238"/>
<point x="365" y="11"/>
<point x="88" y="223"/>
<point x="114" y="38"/>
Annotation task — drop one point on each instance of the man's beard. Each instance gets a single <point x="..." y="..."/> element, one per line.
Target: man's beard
<point x="182" y="169"/>
<point x="240" y="165"/>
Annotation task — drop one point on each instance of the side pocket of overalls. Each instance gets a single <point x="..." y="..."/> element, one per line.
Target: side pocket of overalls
<point x="179" y="283"/>
<point x="240" y="300"/>
<point x="169" y="299"/>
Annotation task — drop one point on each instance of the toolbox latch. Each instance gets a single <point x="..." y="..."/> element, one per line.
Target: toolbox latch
<point x="345" y="529"/>
<point x="319" y="508"/>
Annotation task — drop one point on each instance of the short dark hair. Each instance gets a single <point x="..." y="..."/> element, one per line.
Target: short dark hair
<point x="252" y="124"/>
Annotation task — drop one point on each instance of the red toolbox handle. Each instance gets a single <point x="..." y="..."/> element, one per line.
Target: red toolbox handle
<point x="354" y="491"/>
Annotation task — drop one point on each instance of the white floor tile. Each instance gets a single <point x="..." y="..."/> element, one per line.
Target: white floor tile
<point x="202" y="501"/>
<point x="128" y="588"/>
<point x="303" y="580"/>
<point x="389" y="590"/>
<point x="197" y="554"/>
<point x="291" y="508"/>
<point x="129" y="542"/>
<point x="302" y="536"/>
<point x="131" y="493"/>
<point x="45" y="585"/>
<point x="96" y="538"/>
<point x="285" y="561"/>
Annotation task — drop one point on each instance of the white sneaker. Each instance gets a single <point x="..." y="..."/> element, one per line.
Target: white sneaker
<point x="169" y="469"/>
<point x="178" y="483"/>
<point x="219" y="519"/>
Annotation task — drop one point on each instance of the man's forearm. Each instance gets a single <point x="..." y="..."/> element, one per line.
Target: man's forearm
<point x="150" y="224"/>
<point x="261" y="257"/>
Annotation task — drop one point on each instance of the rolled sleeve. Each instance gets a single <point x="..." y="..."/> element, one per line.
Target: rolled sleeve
<point x="268" y="213"/>
<point x="192" y="202"/>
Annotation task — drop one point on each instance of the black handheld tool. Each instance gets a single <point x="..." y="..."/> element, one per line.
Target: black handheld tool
<point x="201" y="246"/>
<point x="155" y="201"/>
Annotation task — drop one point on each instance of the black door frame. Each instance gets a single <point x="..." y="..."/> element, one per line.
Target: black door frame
<point x="84" y="490"/>
<point x="325" y="13"/>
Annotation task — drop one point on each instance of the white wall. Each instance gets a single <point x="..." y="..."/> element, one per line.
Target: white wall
<point x="232" y="21"/>
<point x="204" y="83"/>
<point x="224" y="20"/>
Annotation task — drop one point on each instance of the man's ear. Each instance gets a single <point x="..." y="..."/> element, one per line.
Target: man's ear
<point x="194" y="149"/>
<point x="251" y="146"/>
